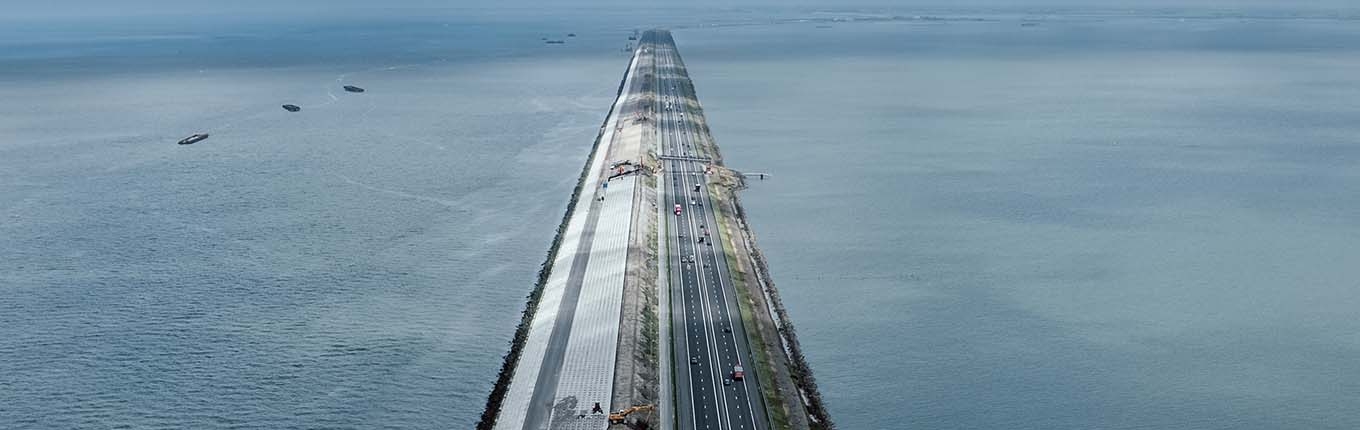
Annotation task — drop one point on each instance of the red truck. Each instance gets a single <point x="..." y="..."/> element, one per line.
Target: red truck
<point x="677" y="209"/>
<point x="737" y="373"/>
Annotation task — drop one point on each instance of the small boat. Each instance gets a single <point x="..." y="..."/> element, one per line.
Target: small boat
<point x="292" y="108"/>
<point x="353" y="89"/>
<point x="198" y="137"/>
<point x="555" y="42"/>
<point x="571" y="34"/>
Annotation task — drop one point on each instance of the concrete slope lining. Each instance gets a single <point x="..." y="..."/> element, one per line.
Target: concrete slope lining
<point x="519" y="397"/>
<point x="588" y="369"/>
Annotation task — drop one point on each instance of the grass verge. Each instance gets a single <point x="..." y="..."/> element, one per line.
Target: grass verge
<point x="765" y="364"/>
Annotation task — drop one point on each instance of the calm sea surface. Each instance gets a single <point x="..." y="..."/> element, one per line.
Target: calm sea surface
<point x="359" y="264"/>
<point x="1092" y="223"/>
<point x="1101" y="221"/>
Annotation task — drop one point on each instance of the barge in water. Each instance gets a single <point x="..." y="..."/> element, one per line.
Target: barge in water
<point x="198" y="137"/>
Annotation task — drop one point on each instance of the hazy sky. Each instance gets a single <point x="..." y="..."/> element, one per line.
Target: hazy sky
<point x="21" y="10"/>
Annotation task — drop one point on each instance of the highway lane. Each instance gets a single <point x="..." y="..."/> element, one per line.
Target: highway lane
<point x="708" y="338"/>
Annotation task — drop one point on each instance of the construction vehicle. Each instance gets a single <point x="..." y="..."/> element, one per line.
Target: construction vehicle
<point x="617" y="417"/>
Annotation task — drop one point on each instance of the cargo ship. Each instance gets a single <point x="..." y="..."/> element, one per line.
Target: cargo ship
<point x="292" y="108"/>
<point x="353" y="89"/>
<point x="198" y="137"/>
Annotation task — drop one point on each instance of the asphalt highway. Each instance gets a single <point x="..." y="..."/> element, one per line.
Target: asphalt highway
<point x="708" y="337"/>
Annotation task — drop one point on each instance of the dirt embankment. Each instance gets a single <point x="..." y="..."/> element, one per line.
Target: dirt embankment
<point x="636" y="376"/>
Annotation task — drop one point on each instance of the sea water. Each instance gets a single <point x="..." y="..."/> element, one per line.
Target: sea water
<point x="1103" y="220"/>
<point x="1116" y="221"/>
<point x="361" y="263"/>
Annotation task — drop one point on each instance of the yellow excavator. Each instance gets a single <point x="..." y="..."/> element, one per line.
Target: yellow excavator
<point x="618" y="416"/>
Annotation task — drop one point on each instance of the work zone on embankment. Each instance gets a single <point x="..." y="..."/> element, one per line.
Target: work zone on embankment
<point x="596" y="347"/>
